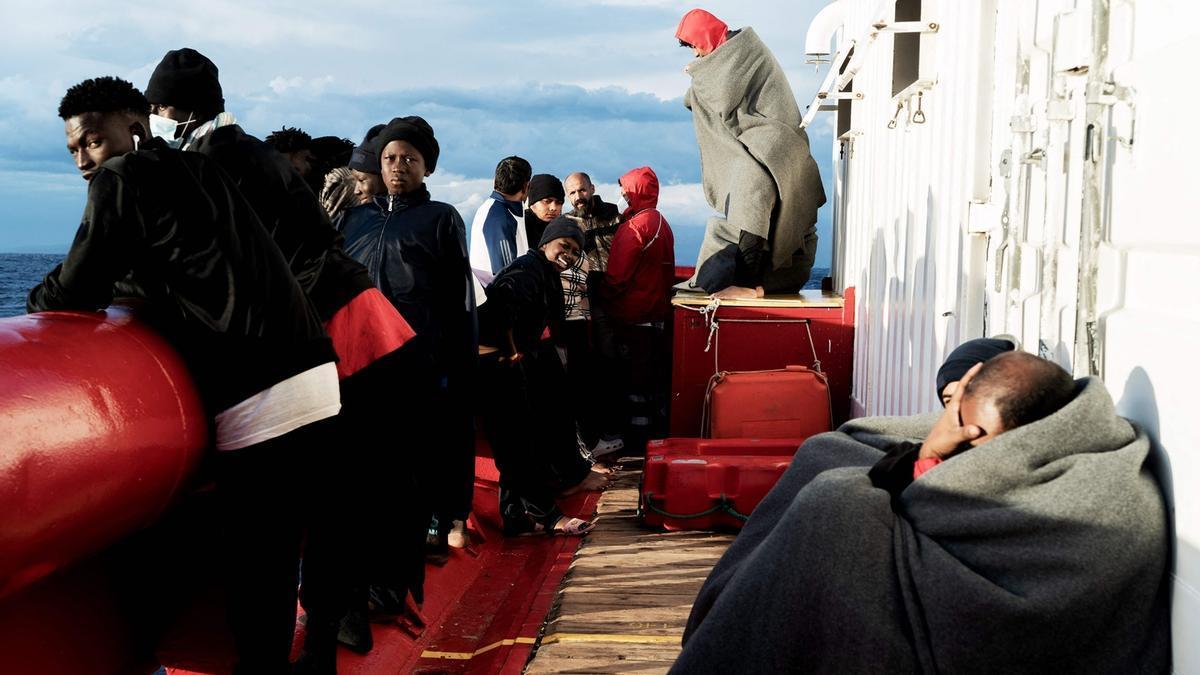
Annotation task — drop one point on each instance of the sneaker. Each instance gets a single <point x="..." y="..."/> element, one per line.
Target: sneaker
<point x="607" y="445"/>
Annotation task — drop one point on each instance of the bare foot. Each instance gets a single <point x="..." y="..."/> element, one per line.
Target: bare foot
<point x="594" y="481"/>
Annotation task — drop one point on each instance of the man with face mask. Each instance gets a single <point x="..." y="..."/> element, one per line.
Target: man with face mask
<point x="172" y="229"/>
<point x="367" y="332"/>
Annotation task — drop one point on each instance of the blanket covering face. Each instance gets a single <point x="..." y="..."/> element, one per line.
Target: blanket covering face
<point x="754" y="157"/>
<point x="1043" y="550"/>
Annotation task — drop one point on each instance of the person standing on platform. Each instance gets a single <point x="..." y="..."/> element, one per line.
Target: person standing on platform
<point x="756" y="166"/>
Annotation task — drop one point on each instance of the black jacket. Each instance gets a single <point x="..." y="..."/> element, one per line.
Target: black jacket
<point x="525" y="297"/>
<point x="173" y="229"/>
<point x="292" y="215"/>
<point x="416" y="252"/>
<point x="534" y="227"/>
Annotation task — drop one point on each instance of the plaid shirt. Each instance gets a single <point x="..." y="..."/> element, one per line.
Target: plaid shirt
<point x="575" y="291"/>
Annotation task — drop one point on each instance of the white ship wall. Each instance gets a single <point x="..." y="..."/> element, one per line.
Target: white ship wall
<point x="970" y="223"/>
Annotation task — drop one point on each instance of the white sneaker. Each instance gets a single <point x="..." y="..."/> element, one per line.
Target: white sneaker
<point x="607" y="446"/>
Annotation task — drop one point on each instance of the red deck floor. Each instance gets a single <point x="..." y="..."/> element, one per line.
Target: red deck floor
<point x="484" y="608"/>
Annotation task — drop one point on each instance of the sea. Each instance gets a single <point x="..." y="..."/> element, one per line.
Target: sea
<point x="20" y="272"/>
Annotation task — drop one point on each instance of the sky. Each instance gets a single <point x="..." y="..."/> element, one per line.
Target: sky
<point x="588" y="85"/>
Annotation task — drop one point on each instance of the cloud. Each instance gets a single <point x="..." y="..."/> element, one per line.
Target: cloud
<point x="594" y="85"/>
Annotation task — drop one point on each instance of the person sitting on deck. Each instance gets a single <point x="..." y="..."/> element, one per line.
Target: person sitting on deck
<point x="527" y="413"/>
<point x="756" y="165"/>
<point x="172" y="229"/>
<point x="988" y="562"/>
<point x="636" y="296"/>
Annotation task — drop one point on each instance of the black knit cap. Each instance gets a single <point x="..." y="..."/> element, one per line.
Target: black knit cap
<point x="186" y="79"/>
<point x="365" y="157"/>
<point x="966" y="355"/>
<point x="560" y="227"/>
<point x="544" y="185"/>
<point x="414" y="130"/>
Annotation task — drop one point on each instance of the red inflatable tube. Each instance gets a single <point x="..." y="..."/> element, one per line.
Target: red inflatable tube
<point x="100" y="427"/>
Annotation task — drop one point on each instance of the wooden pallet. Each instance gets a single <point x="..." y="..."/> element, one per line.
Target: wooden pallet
<point x="623" y="604"/>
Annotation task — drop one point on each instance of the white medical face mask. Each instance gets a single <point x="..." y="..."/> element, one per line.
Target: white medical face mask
<point x="164" y="128"/>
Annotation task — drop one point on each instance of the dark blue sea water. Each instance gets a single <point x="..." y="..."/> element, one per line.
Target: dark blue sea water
<point x="20" y="272"/>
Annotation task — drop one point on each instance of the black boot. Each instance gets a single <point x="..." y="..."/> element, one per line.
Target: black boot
<point x="354" y="631"/>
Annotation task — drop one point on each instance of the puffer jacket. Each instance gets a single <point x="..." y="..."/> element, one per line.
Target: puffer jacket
<point x="415" y="249"/>
<point x="170" y="227"/>
<point x="641" y="265"/>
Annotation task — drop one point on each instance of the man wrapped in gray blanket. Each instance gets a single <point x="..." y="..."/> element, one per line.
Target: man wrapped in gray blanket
<point x="1038" y="545"/>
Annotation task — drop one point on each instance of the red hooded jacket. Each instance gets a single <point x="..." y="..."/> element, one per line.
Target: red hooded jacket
<point x="641" y="265"/>
<point x="703" y="30"/>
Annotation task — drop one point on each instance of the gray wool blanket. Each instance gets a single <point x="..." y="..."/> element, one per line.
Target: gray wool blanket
<point x="1043" y="550"/>
<point x="755" y="162"/>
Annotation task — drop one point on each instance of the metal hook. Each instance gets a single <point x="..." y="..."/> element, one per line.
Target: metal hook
<point x="919" y="116"/>
<point x="892" y="124"/>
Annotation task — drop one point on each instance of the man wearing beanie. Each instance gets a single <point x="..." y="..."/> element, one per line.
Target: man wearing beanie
<point x="545" y="197"/>
<point x="367" y="332"/>
<point x="416" y="251"/>
<point x="527" y="415"/>
<point x="364" y="166"/>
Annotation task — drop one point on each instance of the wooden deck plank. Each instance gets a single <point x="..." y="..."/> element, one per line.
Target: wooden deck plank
<point x="623" y="605"/>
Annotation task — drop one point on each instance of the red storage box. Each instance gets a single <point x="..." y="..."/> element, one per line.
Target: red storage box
<point x="789" y="403"/>
<point x="705" y="483"/>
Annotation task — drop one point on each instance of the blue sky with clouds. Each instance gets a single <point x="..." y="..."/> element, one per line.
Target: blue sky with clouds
<point x="593" y="85"/>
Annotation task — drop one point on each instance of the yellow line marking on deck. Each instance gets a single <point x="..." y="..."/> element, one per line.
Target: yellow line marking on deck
<point x="465" y="656"/>
<point x="623" y="638"/>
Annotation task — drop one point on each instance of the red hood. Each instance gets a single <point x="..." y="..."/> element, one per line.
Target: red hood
<point x="641" y="189"/>
<point x="701" y="29"/>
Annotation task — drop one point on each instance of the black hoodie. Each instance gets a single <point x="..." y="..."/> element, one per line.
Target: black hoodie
<point x="173" y="229"/>
<point x="292" y="215"/>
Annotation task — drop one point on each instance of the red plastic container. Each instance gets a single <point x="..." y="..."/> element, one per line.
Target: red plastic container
<point x="705" y="483"/>
<point x="792" y="402"/>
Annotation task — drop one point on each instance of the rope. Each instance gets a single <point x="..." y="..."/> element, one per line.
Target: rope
<point x="723" y="504"/>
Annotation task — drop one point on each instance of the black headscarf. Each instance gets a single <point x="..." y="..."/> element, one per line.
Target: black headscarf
<point x="966" y="355"/>
<point x="365" y="157"/>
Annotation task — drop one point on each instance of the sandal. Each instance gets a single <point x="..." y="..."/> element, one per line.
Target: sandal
<point x="572" y="527"/>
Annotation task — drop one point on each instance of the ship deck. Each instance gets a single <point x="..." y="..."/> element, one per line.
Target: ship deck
<point x="625" y="599"/>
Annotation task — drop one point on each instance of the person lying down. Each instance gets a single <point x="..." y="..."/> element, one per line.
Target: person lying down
<point x="1019" y="531"/>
